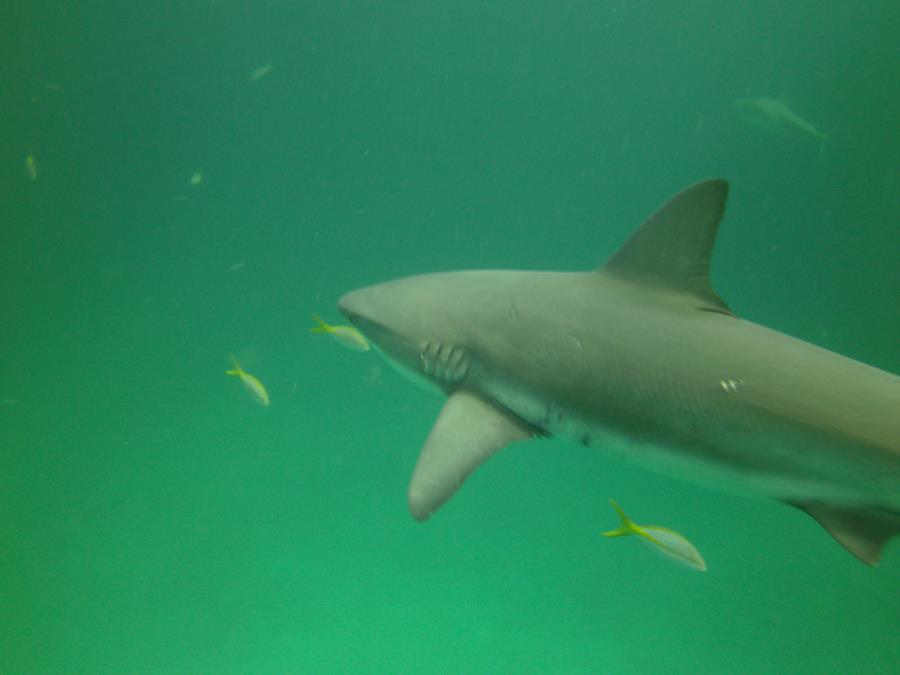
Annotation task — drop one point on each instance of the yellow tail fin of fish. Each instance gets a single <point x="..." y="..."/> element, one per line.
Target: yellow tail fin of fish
<point x="236" y="369"/>
<point x="322" y="327"/>
<point x="626" y="527"/>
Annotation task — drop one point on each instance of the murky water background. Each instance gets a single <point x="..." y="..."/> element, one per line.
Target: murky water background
<point x="154" y="519"/>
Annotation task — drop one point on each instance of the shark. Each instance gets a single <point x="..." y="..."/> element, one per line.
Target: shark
<point x="642" y="358"/>
<point x="774" y="114"/>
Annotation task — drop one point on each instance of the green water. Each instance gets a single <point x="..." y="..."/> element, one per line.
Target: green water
<point x="155" y="519"/>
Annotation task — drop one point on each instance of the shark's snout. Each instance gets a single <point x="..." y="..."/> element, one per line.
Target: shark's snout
<point x="351" y="304"/>
<point x="364" y="310"/>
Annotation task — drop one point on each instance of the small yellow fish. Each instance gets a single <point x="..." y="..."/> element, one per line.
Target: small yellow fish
<point x="346" y="335"/>
<point x="662" y="538"/>
<point x="254" y="386"/>
<point x="31" y="167"/>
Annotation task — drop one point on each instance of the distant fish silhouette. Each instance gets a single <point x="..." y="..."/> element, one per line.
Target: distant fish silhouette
<point x="259" y="73"/>
<point x="774" y="114"/>
<point x="31" y="167"/>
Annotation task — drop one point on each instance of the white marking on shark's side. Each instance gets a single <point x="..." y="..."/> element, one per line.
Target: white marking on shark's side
<point x="642" y="358"/>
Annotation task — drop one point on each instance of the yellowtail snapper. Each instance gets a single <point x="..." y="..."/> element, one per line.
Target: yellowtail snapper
<point x="348" y="336"/>
<point x="251" y="384"/>
<point x="662" y="539"/>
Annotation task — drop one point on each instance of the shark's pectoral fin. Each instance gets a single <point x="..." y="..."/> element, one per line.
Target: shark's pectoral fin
<point x="862" y="531"/>
<point x="467" y="432"/>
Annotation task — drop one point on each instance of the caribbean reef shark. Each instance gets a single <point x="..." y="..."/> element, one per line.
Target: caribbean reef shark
<point x="641" y="358"/>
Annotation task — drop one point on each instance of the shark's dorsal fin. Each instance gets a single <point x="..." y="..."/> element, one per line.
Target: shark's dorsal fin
<point x="467" y="432"/>
<point x="672" y="248"/>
